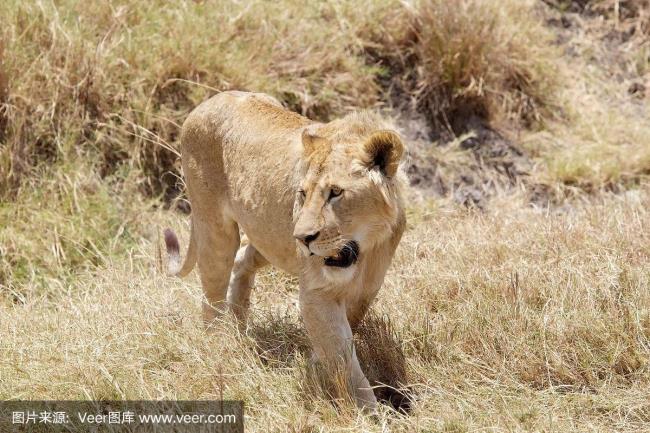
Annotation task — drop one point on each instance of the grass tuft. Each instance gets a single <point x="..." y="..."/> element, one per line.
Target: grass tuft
<point x="471" y="58"/>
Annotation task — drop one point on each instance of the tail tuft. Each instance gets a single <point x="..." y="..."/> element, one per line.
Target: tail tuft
<point x="173" y="252"/>
<point x="171" y="242"/>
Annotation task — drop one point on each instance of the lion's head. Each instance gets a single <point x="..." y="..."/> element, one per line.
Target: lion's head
<point x="349" y="198"/>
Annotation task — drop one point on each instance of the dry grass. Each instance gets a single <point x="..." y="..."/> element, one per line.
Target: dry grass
<point x="492" y="60"/>
<point x="511" y="318"/>
<point x="113" y="81"/>
<point x="603" y="146"/>
<point x="602" y="140"/>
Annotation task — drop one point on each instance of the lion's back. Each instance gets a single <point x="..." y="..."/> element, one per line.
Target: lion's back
<point x="240" y="150"/>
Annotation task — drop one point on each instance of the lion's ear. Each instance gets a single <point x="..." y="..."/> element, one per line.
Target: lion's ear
<point x="384" y="149"/>
<point x="310" y="141"/>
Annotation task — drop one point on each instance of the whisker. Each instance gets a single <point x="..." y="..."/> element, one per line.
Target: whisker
<point x="346" y="247"/>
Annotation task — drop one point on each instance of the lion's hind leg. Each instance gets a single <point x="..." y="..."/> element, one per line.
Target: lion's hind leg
<point x="247" y="262"/>
<point x="217" y="243"/>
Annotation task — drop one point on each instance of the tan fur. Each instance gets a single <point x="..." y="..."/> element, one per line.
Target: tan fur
<point x="247" y="162"/>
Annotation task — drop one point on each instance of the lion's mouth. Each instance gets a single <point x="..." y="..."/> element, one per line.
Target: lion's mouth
<point x="346" y="256"/>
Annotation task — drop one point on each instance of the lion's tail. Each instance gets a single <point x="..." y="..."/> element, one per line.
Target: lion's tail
<point x="174" y="267"/>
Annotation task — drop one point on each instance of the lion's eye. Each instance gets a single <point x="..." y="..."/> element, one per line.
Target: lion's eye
<point x="302" y="193"/>
<point x="335" y="192"/>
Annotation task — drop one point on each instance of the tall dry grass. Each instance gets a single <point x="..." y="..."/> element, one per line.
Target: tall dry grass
<point x="112" y="81"/>
<point x="512" y="319"/>
<point x="92" y="95"/>
<point x="491" y="60"/>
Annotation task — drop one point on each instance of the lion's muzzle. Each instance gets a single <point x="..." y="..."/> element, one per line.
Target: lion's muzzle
<point x="347" y="256"/>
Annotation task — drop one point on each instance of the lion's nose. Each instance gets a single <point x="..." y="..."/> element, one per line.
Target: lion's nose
<point x="306" y="239"/>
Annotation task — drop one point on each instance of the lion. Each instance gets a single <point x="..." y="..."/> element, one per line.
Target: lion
<point x="322" y="201"/>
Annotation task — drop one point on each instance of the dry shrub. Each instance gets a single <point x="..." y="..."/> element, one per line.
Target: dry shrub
<point x="482" y="58"/>
<point x="470" y="58"/>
